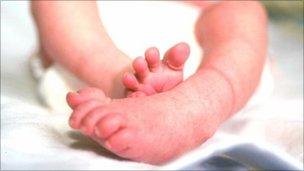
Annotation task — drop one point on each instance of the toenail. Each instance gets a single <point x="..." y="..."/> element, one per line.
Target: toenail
<point x="174" y="67"/>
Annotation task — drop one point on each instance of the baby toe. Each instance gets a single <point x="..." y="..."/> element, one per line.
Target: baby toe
<point x="81" y="111"/>
<point x="91" y="119"/>
<point x="73" y="99"/>
<point x="141" y="67"/>
<point x="108" y="125"/>
<point x="152" y="58"/>
<point x="176" y="56"/>
<point x="92" y="93"/>
<point x="130" y="81"/>
<point x="120" y="141"/>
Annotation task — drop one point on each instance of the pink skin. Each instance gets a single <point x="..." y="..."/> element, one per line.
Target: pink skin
<point x="122" y="126"/>
<point x="155" y="76"/>
<point x="158" y="128"/>
<point x="96" y="48"/>
<point x="90" y="49"/>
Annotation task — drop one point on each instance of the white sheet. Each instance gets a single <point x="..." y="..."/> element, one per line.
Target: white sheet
<point x="34" y="137"/>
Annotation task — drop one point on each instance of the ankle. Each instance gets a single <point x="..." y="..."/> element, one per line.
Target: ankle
<point x="209" y="93"/>
<point x="217" y="90"/>
<point x="105" y="70"/>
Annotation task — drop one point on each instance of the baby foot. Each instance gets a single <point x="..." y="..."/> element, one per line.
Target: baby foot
<point x="154" y="76"/>
<point x="143" y="129"/>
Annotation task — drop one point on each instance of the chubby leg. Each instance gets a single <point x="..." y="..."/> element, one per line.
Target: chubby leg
<point x="82" y="46"/>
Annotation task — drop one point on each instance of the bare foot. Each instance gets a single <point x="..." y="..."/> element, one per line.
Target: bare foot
<point x="152" y="129"/>
<point x="154" y="76"/>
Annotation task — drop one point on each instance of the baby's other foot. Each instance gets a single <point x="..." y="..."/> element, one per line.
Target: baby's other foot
<point x="88" y="111"/>
<point x="154" y="76"/>
<point x="140" y="129"/>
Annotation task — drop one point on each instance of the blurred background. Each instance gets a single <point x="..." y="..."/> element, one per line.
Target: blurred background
<point x="286" y="43"/>
<point x="288" y="13"/>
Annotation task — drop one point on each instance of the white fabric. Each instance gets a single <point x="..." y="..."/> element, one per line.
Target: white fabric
<point x="34" y="136"/>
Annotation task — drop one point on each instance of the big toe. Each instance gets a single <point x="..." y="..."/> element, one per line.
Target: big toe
<point x="177" y="55"/>
<point x="108" y="125"/>
<point x="120" y="142"/>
